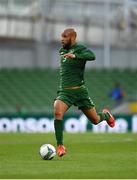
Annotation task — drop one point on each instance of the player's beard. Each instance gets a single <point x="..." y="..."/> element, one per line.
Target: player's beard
<point x="68" y="45"/>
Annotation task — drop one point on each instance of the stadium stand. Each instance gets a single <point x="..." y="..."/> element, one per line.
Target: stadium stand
<point x="33" y="91"/>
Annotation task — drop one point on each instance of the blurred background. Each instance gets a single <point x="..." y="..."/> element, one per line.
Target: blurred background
<point x="29" y="60"/>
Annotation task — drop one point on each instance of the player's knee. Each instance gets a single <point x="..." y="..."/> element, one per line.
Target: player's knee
<point x="58" y="115"/>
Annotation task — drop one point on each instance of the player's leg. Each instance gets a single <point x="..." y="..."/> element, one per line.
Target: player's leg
<point x="59" y="109"/>
<point x="85" y="103"/>
<point x="92" y="115"/>
<point x="96" y="118"/>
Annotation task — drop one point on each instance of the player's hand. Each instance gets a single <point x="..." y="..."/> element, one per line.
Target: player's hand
<point x="69" y="55"/>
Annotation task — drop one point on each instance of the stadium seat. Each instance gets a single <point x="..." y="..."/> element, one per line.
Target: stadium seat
<point x="34" y="90"/>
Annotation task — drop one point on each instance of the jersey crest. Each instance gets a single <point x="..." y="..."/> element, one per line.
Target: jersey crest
<point x="62" y="57"/>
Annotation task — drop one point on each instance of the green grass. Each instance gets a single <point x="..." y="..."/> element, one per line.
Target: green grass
<point x="102" y="156"/>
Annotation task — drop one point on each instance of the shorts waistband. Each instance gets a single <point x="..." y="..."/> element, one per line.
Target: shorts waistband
<point x="75" y="88"/>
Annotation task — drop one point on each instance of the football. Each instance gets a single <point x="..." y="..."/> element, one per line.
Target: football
<point x="47" y="151"/>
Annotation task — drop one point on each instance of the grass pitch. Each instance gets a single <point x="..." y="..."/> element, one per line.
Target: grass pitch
<point x="93" y="156"/>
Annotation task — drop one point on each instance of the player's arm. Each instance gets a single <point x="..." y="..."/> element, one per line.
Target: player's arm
<point x="85" y="54"/>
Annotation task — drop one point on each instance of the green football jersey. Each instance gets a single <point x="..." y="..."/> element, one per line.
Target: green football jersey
<point x="72" y="70"/>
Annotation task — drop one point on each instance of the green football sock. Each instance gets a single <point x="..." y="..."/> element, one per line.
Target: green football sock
<point x="58" y="125"/>
<point x="103" y="116"/>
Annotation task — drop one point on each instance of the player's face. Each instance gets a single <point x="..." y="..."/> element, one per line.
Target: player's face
<point x="65" y="40"/>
